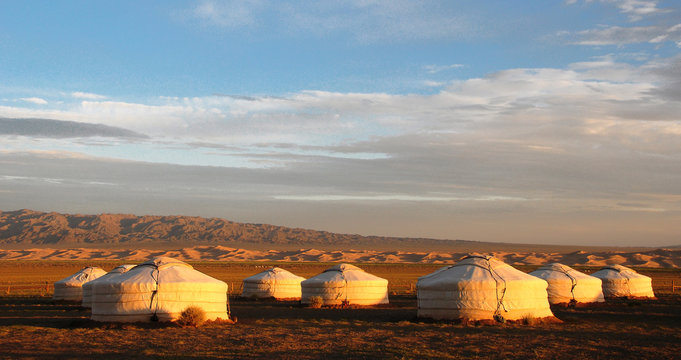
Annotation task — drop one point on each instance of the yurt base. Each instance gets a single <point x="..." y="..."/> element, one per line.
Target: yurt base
<point x="471" y="316"/>
<point x="347" y="306"/>
<point x="493" y="322"/>
<point x="268" y="299"/>
<point x="143" y="324"/>
<point x="578" y="304"/>
<point x="615" y="299"/>
<point x="69" y="302"/>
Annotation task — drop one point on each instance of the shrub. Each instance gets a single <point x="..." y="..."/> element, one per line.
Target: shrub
<point x="529" y="319"/>
<point x="192" y="316"/>
<point x="316" y="302"/>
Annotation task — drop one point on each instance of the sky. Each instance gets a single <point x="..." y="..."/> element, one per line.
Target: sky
<point x="548" y="122"/>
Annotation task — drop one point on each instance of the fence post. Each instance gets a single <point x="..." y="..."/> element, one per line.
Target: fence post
<point x="673" y="286"/>
<point x="9" y="287"/>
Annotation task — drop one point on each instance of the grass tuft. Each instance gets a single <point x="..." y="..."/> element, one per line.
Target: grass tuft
<point x="529" y="319"/>
<point x="192" y="316"/>
<point x="316" y="302"/>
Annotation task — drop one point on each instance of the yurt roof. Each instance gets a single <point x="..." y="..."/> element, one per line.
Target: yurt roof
<point x="343" y="268"/>
<point x="163" y="262"/>
<point x="474" y="268"/>
<point x="343" y="272"/>
<point x="484" y="261"/>
<point x="617" y="271"/>
<point x="169" y="271"/>
<point x="618" y="268"/>
<point x="84" y="275"/>
<point x="121" y="269"/>
<point x="557" y="267"/>
<point x="274" y="273"/>
<point x="557" y="271"/>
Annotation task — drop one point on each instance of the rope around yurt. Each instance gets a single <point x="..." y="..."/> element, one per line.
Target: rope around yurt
<point x="229" y="309"/>
<point x="87" y="274"/>
<point x="497" y="278"/>
<point x="624" y="274"/>
<point x="572" y="279"/>
<point x="345" y="288"/>
<point x="154" y="294"/>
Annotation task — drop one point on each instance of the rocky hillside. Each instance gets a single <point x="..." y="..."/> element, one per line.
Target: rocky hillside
<point x="29" y="227"/>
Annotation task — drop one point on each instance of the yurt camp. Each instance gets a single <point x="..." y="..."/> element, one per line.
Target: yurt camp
<point x="621" y="281"/>
<point x="568" y="286"/>
<point x="482" y="288"/>
<point x="345" y="284"/>
<point x="273" y="283"/>
<point x="71" y="288"/>
<point x="87" y="287"/>
<point x="158" y="290"/>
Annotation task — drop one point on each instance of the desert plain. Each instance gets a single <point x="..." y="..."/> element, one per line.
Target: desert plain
<point x="32" y="326"/>
<point x="37" y="249"/>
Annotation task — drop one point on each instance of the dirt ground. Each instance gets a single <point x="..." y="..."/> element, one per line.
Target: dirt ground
<point x="36" y="327"/>
<point x="33" y="326"/>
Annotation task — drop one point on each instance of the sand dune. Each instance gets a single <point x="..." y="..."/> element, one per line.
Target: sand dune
<point x="653" y="258"/>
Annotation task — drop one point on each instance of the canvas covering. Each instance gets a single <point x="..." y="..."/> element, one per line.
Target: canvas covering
<point x="345" y="283"/>
<point x="71" y="287"/>
<point x="567" y="284"/>
<point x="621" y="281"/>
<point x="480" y="288"/>
<point x="163" y="287"/>
<point x="87" y="287"/>
<point x="273" y="283"/>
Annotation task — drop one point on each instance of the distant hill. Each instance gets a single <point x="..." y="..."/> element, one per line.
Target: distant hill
<point x="27" y="227"/>
<point x="21" y="229"/>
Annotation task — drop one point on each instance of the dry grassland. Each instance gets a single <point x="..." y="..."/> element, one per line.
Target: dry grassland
<point x="33" y="326"/>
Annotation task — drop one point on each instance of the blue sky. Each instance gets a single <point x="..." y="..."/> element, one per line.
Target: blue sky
<point x="148" y="49"/>
<point x="528" y="121"/>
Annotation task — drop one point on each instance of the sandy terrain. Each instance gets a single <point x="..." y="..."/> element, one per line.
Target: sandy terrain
<point x="654" y="258"/>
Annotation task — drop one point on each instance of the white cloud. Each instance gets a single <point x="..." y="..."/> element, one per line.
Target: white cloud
<point x="433" y="69"/>
<point x="365" y="21"/>
<point x="535" y="111"/>
<point x="89" y="96"/>
<point x="601" y="91"/>
<point x="660" y="29"/>
<point x="229" y="14"/>
<point x="35" y="100"/>
<point x="635" y="9"/>
<point x="431" y="83"/>
<point x="616" y="35"/>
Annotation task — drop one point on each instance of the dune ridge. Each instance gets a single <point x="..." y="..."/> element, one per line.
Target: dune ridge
<point x="661" y="258"/>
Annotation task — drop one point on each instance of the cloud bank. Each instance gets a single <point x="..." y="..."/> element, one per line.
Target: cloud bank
<point x="597" y="139"/>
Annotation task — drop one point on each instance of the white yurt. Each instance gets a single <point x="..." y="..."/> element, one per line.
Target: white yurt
<point x="87" y="287"/>
<point x="567" y="285"/>
<point x="71" y="288"/>
<point x="621" y="281"/>
<point x="273" y="283"/>
<point x="159" y="289"/>
<point x="345" y="284"/>
<point x="482" y="288"/>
